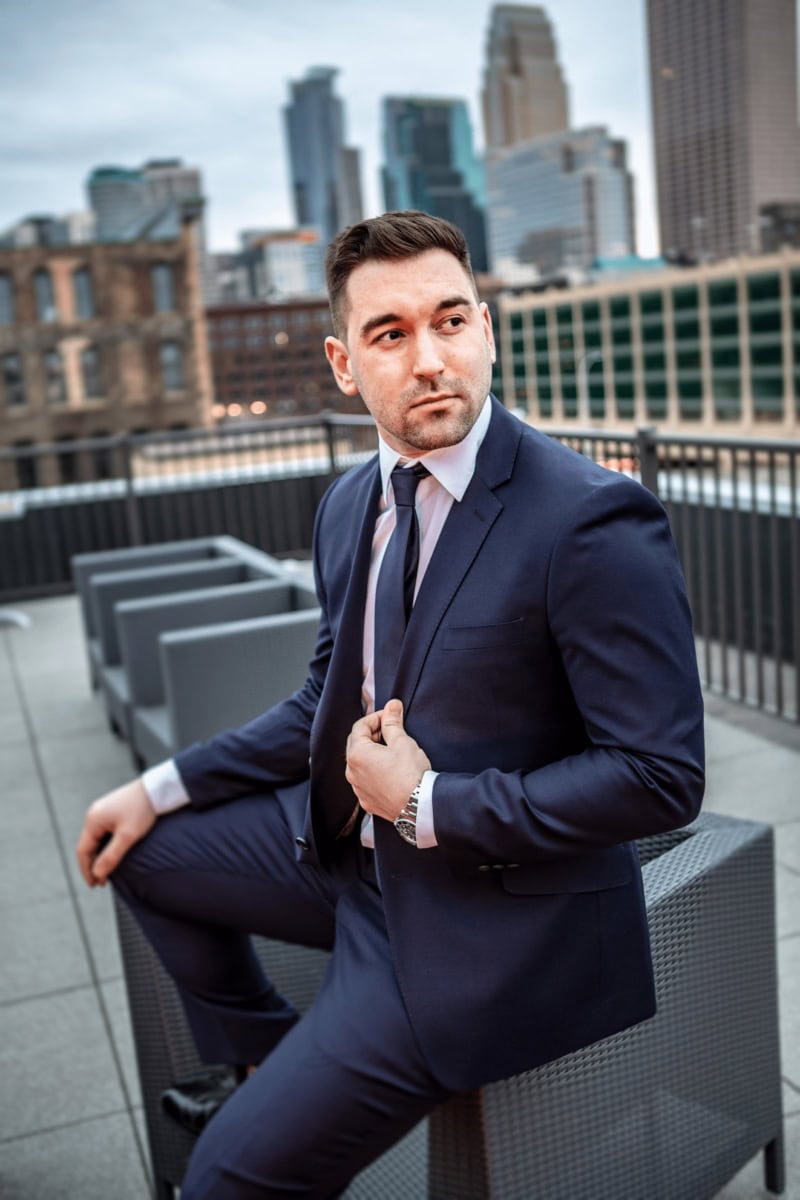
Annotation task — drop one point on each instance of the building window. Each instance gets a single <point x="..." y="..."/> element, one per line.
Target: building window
<point x="6" y="300"/>
<point x="83" y="294"/>
<point x="162" y="279"/>
<point x="171" y="356"/>
<point x="13" y="382"/>
<point x="102" y="457"/>
<point x="91" y="373"/>
<point x="26" y="465"/>
<point x="54" y="382"/>
<point x="67" y="461"/>
<point x="43" y="294"/>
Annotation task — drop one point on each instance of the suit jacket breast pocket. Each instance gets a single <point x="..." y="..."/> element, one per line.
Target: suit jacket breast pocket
<point x="485" y="637"/>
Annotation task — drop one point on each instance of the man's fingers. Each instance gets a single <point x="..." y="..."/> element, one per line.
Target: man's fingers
<point x="110" y="858"/>
<point x="392" y="721"/>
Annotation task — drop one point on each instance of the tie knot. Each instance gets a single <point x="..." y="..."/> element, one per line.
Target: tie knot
<point x="405" y="481"/>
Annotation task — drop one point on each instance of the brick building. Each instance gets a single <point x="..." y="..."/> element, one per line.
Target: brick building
<point x="99" y="339"/>
<point x="269" y="359"/>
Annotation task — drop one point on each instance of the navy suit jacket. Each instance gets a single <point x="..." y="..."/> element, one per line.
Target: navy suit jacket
<point x="549" y="673"/>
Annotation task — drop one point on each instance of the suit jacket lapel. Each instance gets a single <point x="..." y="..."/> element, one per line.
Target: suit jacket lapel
<point x="340" y="703"/>
<point x="464" y="532"/>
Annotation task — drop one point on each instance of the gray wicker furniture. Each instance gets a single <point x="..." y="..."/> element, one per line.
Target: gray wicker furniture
<point x="668" y="1110"/>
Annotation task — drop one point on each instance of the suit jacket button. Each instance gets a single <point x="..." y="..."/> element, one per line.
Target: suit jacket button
<point x="301" y="842"/>
<point x="484" y="867"/>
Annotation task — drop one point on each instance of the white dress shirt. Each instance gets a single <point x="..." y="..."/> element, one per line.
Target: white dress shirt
<point x="451" y="469"/>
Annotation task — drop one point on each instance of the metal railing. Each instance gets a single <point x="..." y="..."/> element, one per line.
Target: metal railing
<point x="733" y="505"/>
<point x="734" y="508"/>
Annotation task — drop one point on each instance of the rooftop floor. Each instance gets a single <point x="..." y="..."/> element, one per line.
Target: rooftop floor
<point x="71" y="1126"/>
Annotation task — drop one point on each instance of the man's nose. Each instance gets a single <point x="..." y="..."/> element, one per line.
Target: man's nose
<point x="428" y="360"/>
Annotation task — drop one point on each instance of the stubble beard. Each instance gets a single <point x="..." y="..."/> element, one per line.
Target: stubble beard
<point x="433" y="430"/>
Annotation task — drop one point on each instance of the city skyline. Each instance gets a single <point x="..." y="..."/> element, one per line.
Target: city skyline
<point x="102" y="86"/>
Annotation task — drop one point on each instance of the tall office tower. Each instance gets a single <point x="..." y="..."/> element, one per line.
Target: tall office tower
<point x="430" y="164"/>
<point x="118" y="199"/>
<point x="559" y="201"/>
<point x="524" y="94"/>
<point x="169" y="179"/>
<point x="723" y="81"/>
<point x="126" y="201"/>
<point x="325" y="173"/>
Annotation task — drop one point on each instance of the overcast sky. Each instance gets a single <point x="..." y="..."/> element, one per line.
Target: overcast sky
<point x="96" y="82"/>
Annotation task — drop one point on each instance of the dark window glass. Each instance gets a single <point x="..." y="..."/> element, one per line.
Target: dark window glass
<point x="26" y="465"/>
<point x="764" y="287"/>
<point x="6" y="300"/>
<point x="43" y="294"/>
<point x="722" y="293"/>
<point x="67" y="461"/>
<point x="162" y="278"/>
<point x="13" y="382"/>
<point x="91" y="374"/>
<point x="171" y="356"/>
<point x="651" y="303"/>
<point x="83" y="293"/>
<point x="684" y="299"/>
<point x="55" y="385"/>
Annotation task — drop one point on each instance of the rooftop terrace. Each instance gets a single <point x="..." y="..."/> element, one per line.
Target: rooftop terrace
<point x="70" y="1112"/>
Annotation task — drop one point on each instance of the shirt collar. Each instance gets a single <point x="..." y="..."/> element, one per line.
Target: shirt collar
<point x="451" y="466"/>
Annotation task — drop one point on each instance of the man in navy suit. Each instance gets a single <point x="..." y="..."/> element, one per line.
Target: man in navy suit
<point x="465" y="847"/>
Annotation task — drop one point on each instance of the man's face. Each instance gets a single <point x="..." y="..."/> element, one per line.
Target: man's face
<point x="419" y="349"/>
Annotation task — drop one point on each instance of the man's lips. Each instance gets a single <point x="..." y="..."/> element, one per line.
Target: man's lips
<point x="426" y="400"/>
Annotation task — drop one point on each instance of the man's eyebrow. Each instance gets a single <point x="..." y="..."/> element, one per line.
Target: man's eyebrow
<point x="393" y="318"/>
<point x="374" y="322"/>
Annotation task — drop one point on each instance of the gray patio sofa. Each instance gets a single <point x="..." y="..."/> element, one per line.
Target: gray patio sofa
<point x="160" y="554"/>
<point x="216" y="676"/>
<point x="668" y="1110"/>
<point x="159" y="574"/>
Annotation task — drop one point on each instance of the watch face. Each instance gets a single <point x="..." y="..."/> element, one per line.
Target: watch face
<point x="407" y="830"/>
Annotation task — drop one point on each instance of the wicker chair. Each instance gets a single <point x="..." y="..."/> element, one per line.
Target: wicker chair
<point x="668" y="1110"/>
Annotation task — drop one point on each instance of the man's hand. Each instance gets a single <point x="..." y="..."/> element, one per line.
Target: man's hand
<point x="123" y="816"/>
<point x="384" y="775"/>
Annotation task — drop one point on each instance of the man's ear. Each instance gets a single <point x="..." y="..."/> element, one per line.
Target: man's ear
<point x="339" y="359"/>
<point x="487" y="329"/>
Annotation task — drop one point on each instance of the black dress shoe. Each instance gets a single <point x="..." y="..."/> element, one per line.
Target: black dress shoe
<point x="195" y="1099"/>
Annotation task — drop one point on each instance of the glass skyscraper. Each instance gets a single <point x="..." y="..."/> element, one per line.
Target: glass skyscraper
<point x="325" y="173"/>
<point x="430" y="164"/>
<point x="559" y="201"/>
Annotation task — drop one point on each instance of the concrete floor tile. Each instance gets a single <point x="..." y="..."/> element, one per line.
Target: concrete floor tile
<point x="75" y="1078"/>
<point x="725" y="741"/>
<point x="761" y="786"/>
<point x="787" y="888"/>
<point x="30" y="864"/>
<point x="787" y="843"/>
<point x="97" y="914"/>
<point x="91" y="1161"/>
<point x="789" y="979"/>
<point x="116" y="1001"/>
<point x="41" y="949"/>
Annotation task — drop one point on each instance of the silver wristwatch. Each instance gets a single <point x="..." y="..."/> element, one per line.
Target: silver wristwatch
<point x="406" y="820"/>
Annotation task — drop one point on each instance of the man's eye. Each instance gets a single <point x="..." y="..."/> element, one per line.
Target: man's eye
<point x="390" y="335"/>
<point x="454" y="322"/>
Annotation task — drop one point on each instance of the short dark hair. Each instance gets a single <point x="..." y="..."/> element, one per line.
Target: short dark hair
<point x="395" y="235"/>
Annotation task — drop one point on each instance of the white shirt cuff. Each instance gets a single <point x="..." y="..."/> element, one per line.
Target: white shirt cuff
<point x="164" y="787"/>
<point x="426" y="834"/>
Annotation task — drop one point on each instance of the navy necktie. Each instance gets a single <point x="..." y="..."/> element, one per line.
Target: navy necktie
<point x="394" y="594"/>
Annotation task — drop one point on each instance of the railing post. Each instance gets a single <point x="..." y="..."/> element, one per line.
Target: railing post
<point x="329" y="433"/>
<point x="132" y="516"/>
<point x="647" y="449"/>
